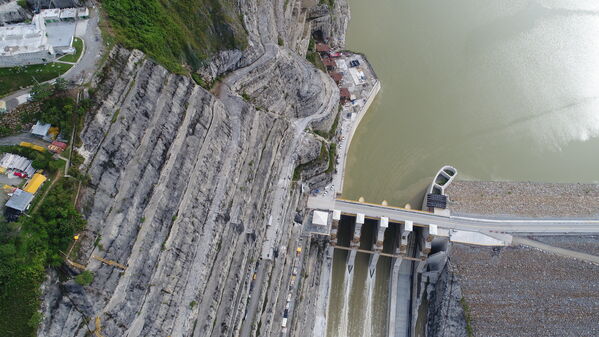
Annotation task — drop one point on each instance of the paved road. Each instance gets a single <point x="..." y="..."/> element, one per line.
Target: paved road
<point x="23" y="137"/>
<point x="84" y="69"/>
<point x="464" y="223"/>
<point x="556" y="250"/>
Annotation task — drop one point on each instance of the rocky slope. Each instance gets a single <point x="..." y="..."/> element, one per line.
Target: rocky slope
<point x="190" y="188"/>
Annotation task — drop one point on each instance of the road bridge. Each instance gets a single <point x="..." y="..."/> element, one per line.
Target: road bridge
<point x="476" y="224"/>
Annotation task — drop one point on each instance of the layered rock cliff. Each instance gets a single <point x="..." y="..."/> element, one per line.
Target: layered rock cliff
<point x="190" y="188"/>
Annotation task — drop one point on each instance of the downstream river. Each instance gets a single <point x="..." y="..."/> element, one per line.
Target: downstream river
<point x="500" y="89"/>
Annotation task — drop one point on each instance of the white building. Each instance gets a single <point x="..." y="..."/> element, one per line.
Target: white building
<point x="50" y="33"/>
<point x="23" y="44"/>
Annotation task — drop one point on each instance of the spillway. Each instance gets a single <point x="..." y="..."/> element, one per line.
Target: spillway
<point x="359" y="300"/>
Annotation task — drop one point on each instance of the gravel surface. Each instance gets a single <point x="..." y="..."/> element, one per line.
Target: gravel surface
<point x="517" y="291"/>
<point x="524" y="199"/>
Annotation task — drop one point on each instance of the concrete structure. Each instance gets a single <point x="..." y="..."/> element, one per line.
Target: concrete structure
<point x="49" y="34"/>
<point x="320" y="218"/>
<point x="479" y="224"/>
<point x="23" y="44"/>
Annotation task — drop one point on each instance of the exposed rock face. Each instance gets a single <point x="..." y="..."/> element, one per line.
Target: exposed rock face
<point x="188" y="189"/>
<point x="446" y="317"/>
<point x="289" y="23"/>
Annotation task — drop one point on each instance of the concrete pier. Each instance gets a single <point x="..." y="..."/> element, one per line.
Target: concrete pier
<point x="355" y="242"/>
<point x="406" y="229"/>
<point x="382" y="226"/>
<point x="335" y="226"/>
<point x="374" y="258"/>
<point x="351" y="259"/>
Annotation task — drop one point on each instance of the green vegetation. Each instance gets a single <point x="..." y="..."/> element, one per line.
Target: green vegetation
<point x="332" y="131"/>
<point x="467" y="316"/>
<point x="23" y="4"/>
<point x="56" y="107"/>
<point x="12" y="79"/>
<point x="179" y="34"/>
<point x="78" y="44"/>
<point x="314" y="58"/>
<point x="332" y="155"/>
<point x="329" y="3"/>
<point x="298" y="170"/>
<point x="84" y="279"/>
<point x="26" y="248"/>
<point x="192" y="304"/>
<point x="36" y="241"/>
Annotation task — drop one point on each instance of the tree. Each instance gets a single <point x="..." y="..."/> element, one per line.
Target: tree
<point x="40" y="92"/>
<point x="60" y="84"/>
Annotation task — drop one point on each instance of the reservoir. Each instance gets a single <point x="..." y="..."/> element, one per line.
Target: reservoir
<point x="501" y="90"/>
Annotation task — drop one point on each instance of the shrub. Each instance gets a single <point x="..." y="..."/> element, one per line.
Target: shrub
<point x="85" y="278"/>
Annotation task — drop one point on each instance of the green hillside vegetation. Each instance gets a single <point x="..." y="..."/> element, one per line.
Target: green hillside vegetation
<point x="179" y="34"/>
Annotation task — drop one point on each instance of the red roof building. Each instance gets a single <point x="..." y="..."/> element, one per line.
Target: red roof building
<point x="344" y="93"/>
<point x="59" y="144"/>
<point x="337" y="77"/>
<point x="329" y="63"/>
<point x="322" y="48"/>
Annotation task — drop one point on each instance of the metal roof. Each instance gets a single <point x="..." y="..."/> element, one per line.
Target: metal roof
<point x="40" y="129"/>
<point x="20" y="200"/>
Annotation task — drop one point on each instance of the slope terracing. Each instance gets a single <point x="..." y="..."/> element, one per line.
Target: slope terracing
<point x="183" y="187"/>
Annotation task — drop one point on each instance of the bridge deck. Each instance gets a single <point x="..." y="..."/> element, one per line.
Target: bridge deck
<point x="509" y="225"/>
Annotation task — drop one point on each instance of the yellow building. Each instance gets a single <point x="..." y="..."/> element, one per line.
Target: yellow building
<point x="35" y="183"/>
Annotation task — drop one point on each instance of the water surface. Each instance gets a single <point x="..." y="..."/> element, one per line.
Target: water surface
<point x="502" y="90"/>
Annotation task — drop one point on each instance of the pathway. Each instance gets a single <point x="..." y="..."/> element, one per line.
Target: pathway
<point x="555" y="250"/>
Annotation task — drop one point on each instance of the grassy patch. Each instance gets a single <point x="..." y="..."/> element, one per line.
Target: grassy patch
<point x="179" y="34"/>
<point x="35" y="242"/>
<point x="332" y="155"/>
<point x="25" y="253"/>
<point x="467" y="316"/>
<point x="15" y="78"/>
<point x="332" y="131"/>
<point x="314" y="58"/>
<point x="86" y="278"/>
<point x="297" y="173"/>
<point x="78" y="45"/>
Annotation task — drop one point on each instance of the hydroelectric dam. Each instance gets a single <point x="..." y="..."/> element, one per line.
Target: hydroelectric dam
<point x="384" y="254"/>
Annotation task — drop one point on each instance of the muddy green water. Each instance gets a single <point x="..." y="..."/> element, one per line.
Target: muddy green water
<point x="500" y="89"/>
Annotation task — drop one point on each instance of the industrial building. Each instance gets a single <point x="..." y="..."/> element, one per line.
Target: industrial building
<point x="16" y="164"/>
<point x="50" y="34"/>
<point x="22" y="43"/>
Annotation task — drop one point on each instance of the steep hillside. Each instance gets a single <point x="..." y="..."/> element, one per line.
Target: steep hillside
<point x="190" y="188"/>
<point x="177" y="32"/>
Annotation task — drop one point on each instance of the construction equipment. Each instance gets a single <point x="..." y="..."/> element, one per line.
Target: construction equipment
<point x="110" y="263"/>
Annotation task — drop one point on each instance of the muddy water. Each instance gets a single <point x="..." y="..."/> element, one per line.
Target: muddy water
<point x="502" y="90"/>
